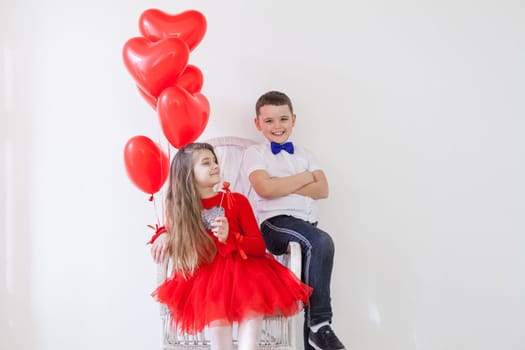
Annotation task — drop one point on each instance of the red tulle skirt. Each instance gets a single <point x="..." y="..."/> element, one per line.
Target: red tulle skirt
<point x="231" y="289"/>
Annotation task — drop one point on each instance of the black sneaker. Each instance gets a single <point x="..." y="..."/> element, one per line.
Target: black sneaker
<point x="325" y="339"/>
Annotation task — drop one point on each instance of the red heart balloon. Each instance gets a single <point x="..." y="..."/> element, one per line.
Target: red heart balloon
<point x="191" y="79"/>
<point x="146" y="164"/>
<point x="155" y="66"/>
<point x="182" y="116"/>
<point x="152" y="101"/>
<point x="204" y="105"/>
<point x="189" y="26"/>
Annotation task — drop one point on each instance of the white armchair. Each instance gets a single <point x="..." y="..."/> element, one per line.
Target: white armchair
<point x="277" y="332"/>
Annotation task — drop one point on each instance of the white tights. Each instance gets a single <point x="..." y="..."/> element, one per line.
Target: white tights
<point x="248" y="335"/>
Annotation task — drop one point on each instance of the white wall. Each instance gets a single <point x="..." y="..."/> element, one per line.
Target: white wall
<point x="414" y="108"/>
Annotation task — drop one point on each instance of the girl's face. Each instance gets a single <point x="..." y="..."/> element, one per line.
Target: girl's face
<point x="206" y="170"/>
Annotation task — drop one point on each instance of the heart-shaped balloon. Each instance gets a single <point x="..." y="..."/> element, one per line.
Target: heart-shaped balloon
<point x="155" y="66"/>
<point x="146" y="164"/>
<point x="152" y="101"/>
<point x="189" y="26"/>
<point x="182" y="116"/>
<point x="191" y="79"/>
<point x="204" y="105"/>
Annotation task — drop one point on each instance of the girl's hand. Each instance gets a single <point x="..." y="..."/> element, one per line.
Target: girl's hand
<point x="220" y="228"/>
<point x="160" y="248"/>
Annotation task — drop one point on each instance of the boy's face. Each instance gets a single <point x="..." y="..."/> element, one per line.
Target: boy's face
<point x="275" y="122"/>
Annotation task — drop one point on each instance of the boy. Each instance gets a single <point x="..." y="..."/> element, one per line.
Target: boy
<point x="288" y="181"/>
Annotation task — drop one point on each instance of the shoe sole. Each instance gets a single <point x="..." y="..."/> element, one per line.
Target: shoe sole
<point x="312" y="344"/>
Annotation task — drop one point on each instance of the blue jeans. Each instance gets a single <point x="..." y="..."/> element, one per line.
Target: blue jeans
<point x="317" y="249"/>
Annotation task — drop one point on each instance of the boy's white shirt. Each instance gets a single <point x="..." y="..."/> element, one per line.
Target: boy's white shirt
<point x="260" y="157"/>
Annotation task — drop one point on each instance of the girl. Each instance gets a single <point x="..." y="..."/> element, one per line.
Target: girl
<point x="221" y="270"/>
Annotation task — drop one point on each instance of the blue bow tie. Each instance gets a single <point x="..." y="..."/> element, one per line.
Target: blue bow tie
<point x="277" y="147"/>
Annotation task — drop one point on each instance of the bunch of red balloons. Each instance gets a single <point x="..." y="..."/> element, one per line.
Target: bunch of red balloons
<point x="158" y="62"/>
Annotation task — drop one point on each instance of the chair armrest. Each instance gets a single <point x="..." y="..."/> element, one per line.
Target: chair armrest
<point x="162" y="271"/>
<point x="294" y="249"/>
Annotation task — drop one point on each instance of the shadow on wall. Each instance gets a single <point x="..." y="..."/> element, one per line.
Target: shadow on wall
<point x="16" y="321"/>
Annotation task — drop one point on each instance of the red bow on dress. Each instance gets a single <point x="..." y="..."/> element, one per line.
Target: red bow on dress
<point x="230" y="201"/>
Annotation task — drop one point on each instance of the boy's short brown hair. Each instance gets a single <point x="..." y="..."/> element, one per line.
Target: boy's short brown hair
<point x="275" y="98"/>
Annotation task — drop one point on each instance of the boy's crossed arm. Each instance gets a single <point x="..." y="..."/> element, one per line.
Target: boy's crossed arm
<point x="317" y="189"/>
<point x="308" y="183"/>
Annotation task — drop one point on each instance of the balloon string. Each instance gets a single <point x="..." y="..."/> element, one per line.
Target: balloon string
<point x="156" y="212"/>
<point x="164" y="202"/>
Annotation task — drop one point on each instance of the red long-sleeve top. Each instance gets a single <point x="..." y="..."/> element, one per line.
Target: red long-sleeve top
<point x="244" y="235"/>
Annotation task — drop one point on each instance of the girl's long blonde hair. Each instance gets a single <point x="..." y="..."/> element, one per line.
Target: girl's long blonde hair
<point x="190" y="244"/>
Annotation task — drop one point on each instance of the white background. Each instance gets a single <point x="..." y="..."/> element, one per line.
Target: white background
<point x="414" y="108"/>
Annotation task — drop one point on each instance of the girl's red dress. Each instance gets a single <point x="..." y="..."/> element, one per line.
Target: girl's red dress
<point x="242" y="281"/>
